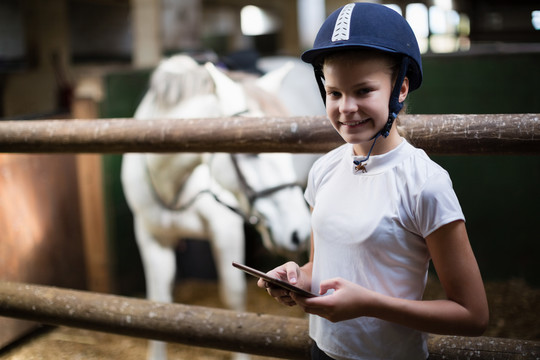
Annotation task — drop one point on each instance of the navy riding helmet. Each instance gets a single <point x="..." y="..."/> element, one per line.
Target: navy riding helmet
<point x="372" y="26"/>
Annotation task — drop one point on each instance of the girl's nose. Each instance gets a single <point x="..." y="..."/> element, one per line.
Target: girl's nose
<point x="348" y="105"/>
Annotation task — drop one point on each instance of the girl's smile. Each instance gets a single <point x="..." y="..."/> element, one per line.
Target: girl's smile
<point x="355" y="123"/>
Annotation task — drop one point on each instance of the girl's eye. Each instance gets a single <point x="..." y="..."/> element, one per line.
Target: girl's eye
<point x="333" y="94"/>
<point x="364" y="91"/>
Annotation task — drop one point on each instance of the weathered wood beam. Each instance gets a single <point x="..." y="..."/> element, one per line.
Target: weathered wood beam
<point x="259" y="334"/>
<point x="437" y="134"/>
<point x="474" y="134"/>
<point x="252" y="333"/>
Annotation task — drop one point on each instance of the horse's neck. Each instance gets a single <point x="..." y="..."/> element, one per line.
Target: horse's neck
<point x="168" y="173"/>
<point x="262" y="102"/>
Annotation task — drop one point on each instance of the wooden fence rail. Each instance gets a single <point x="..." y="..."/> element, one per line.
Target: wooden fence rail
<point x="259" y="334"/>
<point x="437" y="134"/>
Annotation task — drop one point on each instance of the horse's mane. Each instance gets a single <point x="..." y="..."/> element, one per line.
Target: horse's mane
<point x="268" y="103"/>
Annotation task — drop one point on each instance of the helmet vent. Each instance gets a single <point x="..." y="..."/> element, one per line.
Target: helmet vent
<point x="343" y="24"/>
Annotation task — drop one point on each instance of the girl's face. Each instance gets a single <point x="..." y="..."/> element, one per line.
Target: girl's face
<point x="357" y="96"/>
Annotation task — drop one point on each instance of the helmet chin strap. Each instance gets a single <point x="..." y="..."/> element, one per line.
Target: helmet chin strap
<point x="394" y="107"/>
<point x="319" y="76"/>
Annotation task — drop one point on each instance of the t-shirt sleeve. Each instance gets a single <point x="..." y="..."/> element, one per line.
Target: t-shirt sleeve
<point x="309" y="193"/>
<point x="437" y="204"/>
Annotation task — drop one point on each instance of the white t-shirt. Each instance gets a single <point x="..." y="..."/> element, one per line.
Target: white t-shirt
<point x="369" y="228"/>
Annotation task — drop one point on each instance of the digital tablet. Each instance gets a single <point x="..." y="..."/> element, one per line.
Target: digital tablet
<point x="274" y="281"/>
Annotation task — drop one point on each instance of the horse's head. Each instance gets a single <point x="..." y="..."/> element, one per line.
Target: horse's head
<point x="270" y="196"/>
<point x="266" y="184"/>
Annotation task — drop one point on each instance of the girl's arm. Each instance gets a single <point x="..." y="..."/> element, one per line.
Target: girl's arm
<point x="463" y="312"/>
<point x="460" y="277"/>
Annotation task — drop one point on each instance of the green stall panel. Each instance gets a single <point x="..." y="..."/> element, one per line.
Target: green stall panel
<point x="124" y="91"/>
<point x="500" y="195"/>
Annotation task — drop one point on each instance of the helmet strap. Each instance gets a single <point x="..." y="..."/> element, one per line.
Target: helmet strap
<point x="319" y="76"/>
<point x="358" y="163"/>
<point x="394" y="107"/>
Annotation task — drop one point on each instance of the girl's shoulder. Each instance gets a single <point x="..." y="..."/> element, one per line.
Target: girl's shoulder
<point x="331" y="159"/>
<point x="423" y="164"/>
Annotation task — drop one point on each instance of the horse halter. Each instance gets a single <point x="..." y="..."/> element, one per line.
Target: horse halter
<point x="251" y="217"/>
<point x="252" y="195"/>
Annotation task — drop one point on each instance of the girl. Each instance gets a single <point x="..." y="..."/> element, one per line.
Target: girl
<point x="381" y="208"/>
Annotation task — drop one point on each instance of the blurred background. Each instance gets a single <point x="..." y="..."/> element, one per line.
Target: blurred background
<point x="64" y="219"/>
<point x="47" y="47"/>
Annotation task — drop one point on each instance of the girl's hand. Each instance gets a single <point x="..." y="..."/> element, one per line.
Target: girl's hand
<point x="347" y="300"/>
<point x="293" y="274"/>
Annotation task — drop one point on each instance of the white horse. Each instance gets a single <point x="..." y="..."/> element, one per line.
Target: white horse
<point x="210" y="196"/>
<point x="300" y="95"/>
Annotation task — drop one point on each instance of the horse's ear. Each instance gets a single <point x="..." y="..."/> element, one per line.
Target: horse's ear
<point x="271" y="82"/>
<point x="232" y="98"/>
